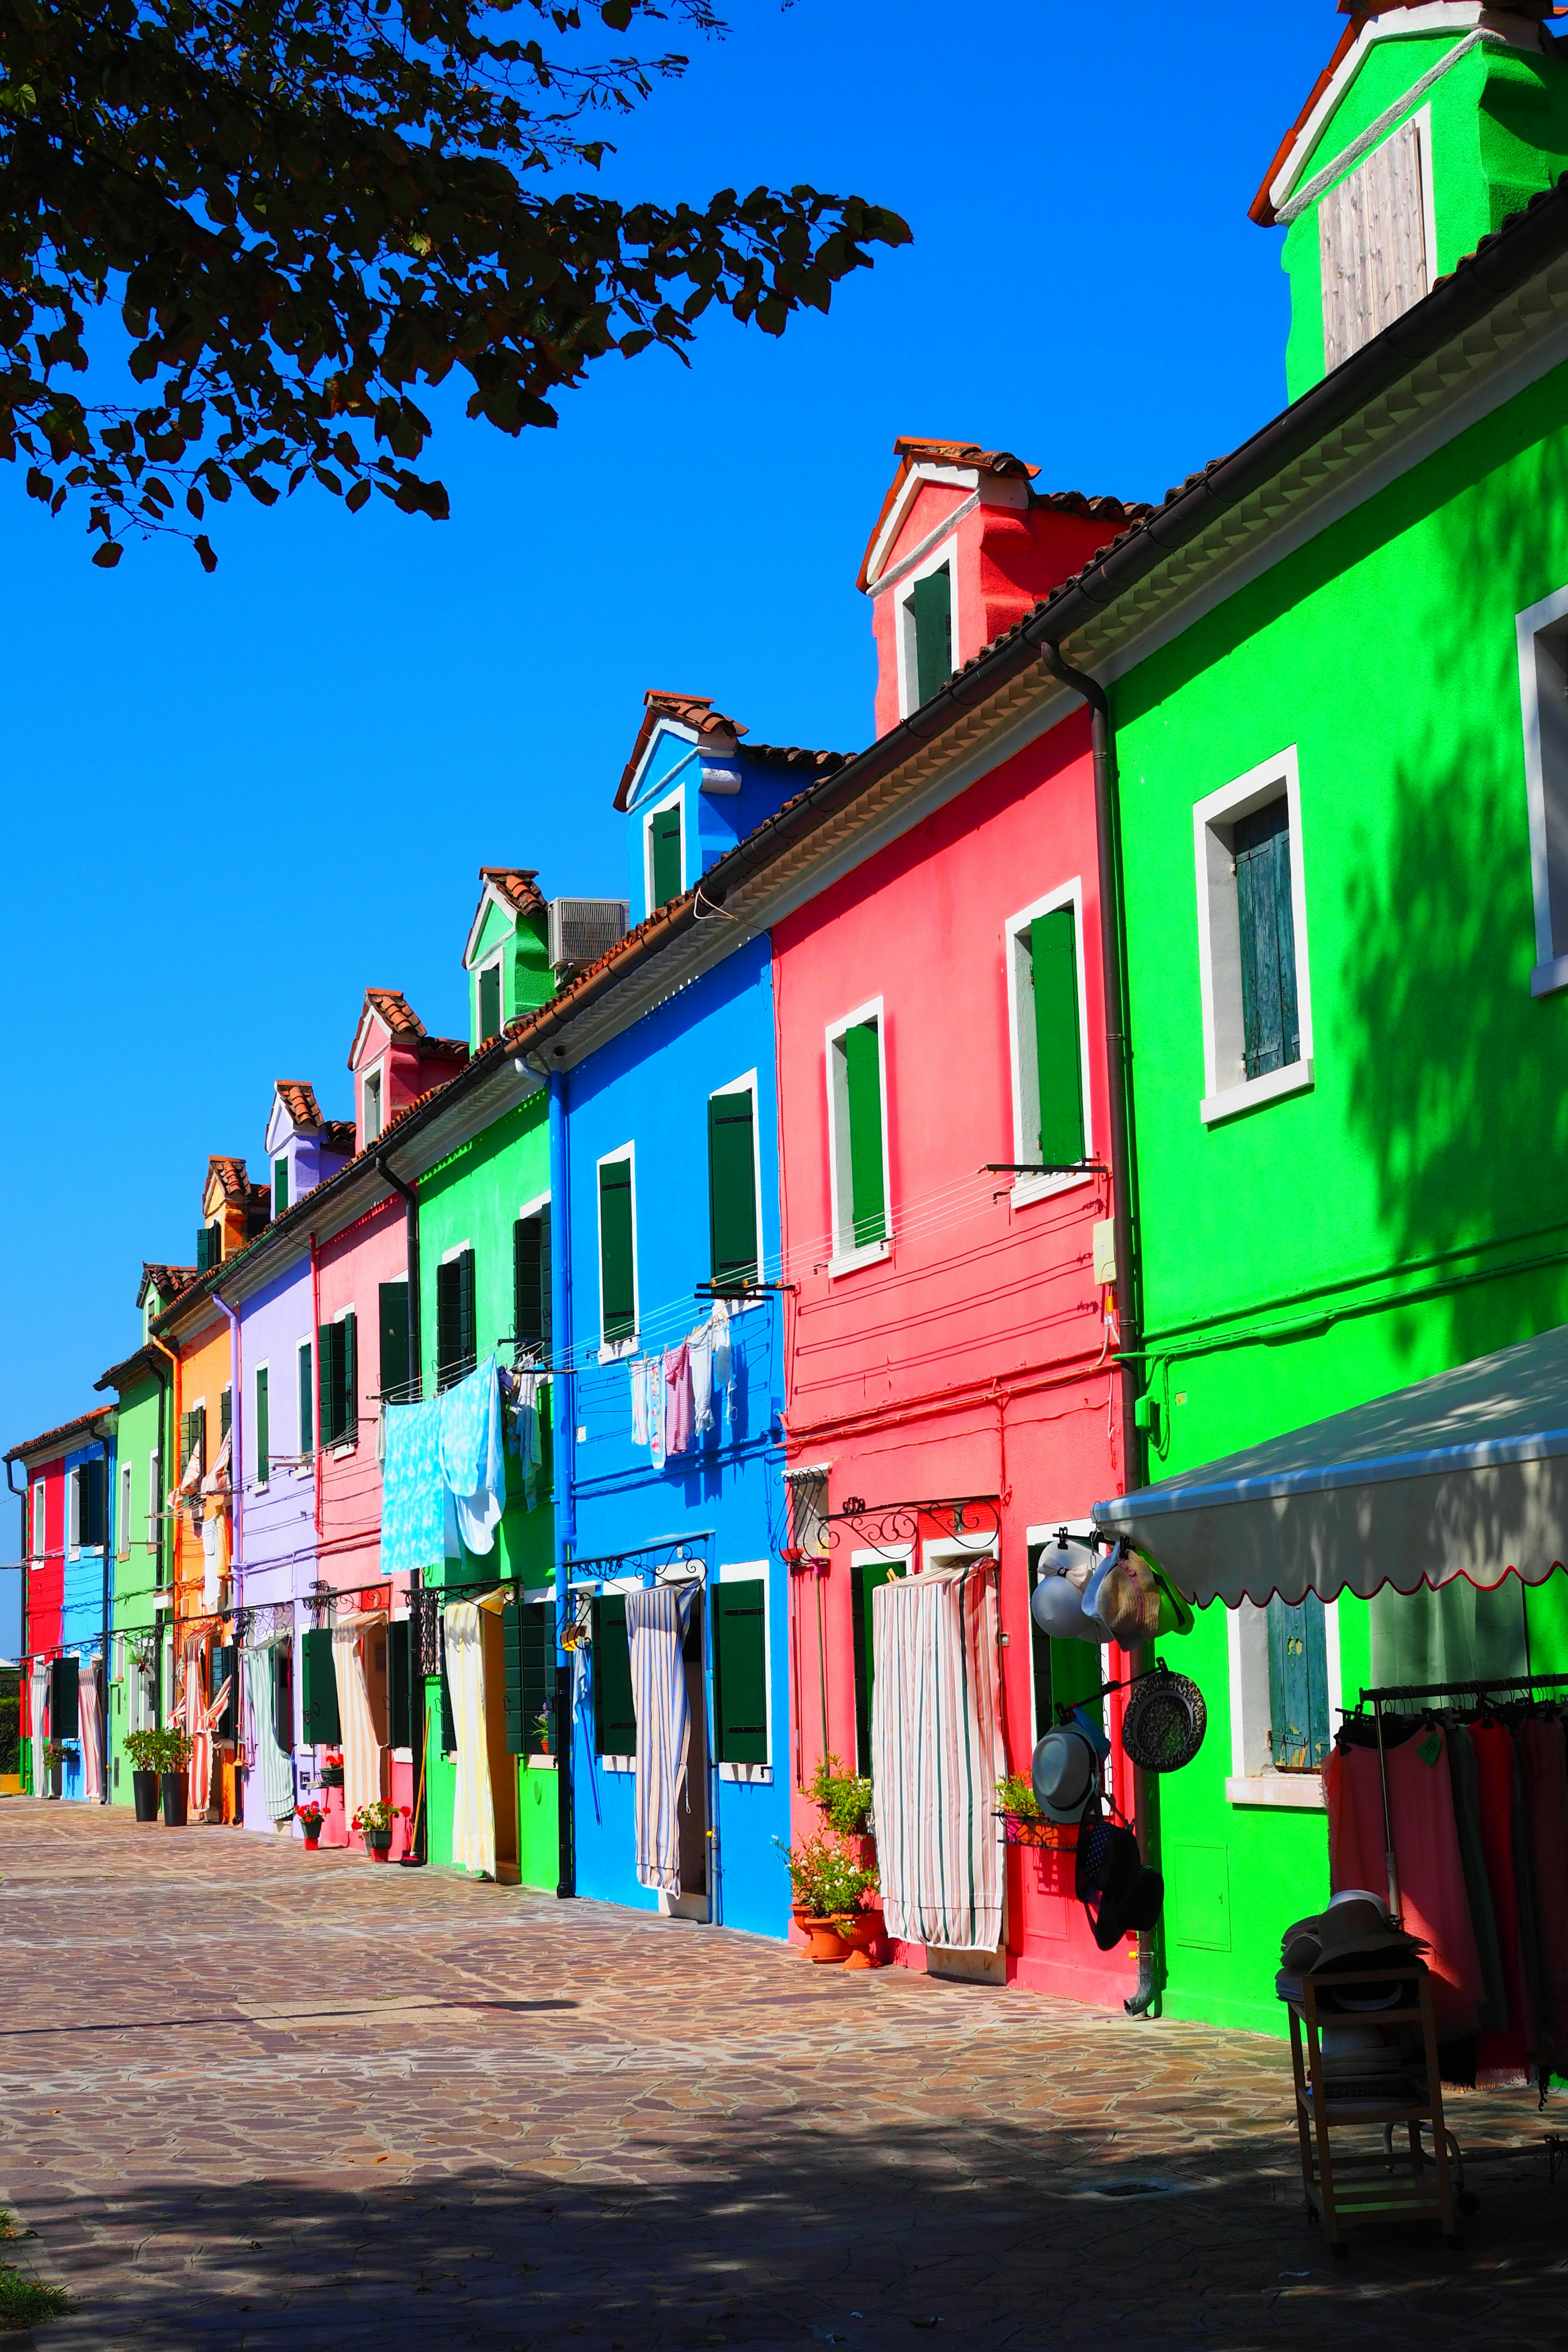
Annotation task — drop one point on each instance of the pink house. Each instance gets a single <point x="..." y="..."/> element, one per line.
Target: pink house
<point x="939" y="1018"/>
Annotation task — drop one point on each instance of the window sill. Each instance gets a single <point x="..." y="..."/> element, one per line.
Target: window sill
<point x="1254" y="1092"/>
<point x="1288" y="1792"/>
<point x="617" y="1351"/>
<point x="759" y="1775"/>
<point x="851" y="1261"/>
<point x="1028" y="1189"/>
<point x="1547" y="978"/>
<point x="541" y="1763"/>
<point x="618" y="1763"/>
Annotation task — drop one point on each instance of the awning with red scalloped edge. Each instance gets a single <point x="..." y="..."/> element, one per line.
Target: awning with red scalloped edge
<point x="1465" y="1475"/>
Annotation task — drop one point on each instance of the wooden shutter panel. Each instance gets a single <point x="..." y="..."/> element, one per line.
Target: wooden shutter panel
<point x="400" y="1682"/>
<point x="467" y="1333"/>
<point x="1260" y="846"/>
<point x="395" y="1372"/>
<point x="280" y="1187"/>
<point x="283" y="1694"/>
<point x="741" y="1671"/>
<point x="224" y="1665"/>
<point x="866" y="1575"/>
<point x="511" y="1618"/>
<point x="225" y="1413"/>
<point x="1372" y="245"/>
<point x="91" y="1532"/>
<point x="65" y="1718"/>
<point x="731" y="1187"/>
<point x="326" y="1384"/>
<point x="931" y="605"/>
<point x="1297" y="1685"/>
<point x="193" y="1437"/>
<point x="263" y="1446"/>
<point x="207" y="1247"/>
<point x="307" y="1416"/>
<point x="531" y="1280"/>
<point x="348" y="1376"/>
<point x="863" y="1093"/>
<point x="1058" y="1058"/>
<point x="448" y="1722"/>
<point x="664" y="834"/>
<point x="490" y="1001"/>
<point x="446" y="1322"/>
<point x="617" y="1287"/>
<point x="323" y="1728"/>
<point x="615" y="1717"/>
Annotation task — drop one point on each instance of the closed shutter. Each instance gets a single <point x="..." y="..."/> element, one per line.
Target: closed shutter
<point x="664" y="853"/>
<point x="531" y="1280"/>
<point x="94" y="1493"/>
<point x="306" y="1414"/>
<point x="283" y="1694"/>
<point x="732" y="1187"/>
<point x="348" y="1375"/>
<point x="207" y="1248"/>
<point x="400" y="1682"/>
<point x="466" y="1327"/>
<point x="193" y="1439"/>
<point x="394" y="1369"/>
<point x="327" y="1381"/>
<point x="617" y="1286"/>
<point x="225" y="1662"/>
<point x="1053" y="961"/>
<point x="280" y="1187"/>
<point x="741" y="1671"/>
<point x="490" y="1001"/>
<point x="449" y="1721"/>
<point x="323" y="1728"/>
<point x="511" y="1618"/>
<point x="615" y="1717"/>
<point x="538" y="1633"/>
<point x="65" y="1720"/>
<point x="931" y="608"/>
<point x="455" y="1352"/>
<point x="1372" y="245"/>
<point x="1297" y="1685"/>
<point x="865" y="1576"/>
<point x="1260" y="846"/>
<point x="263" y="1446"/>
<point x="863" y="1093"/>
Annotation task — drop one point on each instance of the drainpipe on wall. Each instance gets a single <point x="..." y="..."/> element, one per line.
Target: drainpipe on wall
<point x="1113" y="984"/>
<point x="419" y="1715"/>
<point x="173" y="1517"/>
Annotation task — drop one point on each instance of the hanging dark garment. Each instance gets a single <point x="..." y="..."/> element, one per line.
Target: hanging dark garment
<point x="1426" y="1849"/>
<point x="1491" y="2015"/>
<point x="1544" y="1764"/>
<point x="1502" y="2054"/>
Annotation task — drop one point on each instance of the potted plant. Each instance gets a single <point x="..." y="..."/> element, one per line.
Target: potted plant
<point x="141" y="1746"/>
<point x="332" y="1769"/>
<point x="54" y="1764"/>
<point x="1023" y="1824"/>
<point x="828" y="1884"/>
<point x="373" y="1823"/>
<point x="844" y="1801"/>
<point x="173" y="1762"/>
<point x="310" y="1815"/>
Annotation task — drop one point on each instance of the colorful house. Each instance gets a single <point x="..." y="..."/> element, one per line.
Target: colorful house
<point x="68" y="1473"/>
<point x="140" y="1385"/>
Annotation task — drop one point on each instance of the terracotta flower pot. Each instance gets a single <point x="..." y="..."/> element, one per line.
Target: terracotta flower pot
<point x="824" y="1944"/>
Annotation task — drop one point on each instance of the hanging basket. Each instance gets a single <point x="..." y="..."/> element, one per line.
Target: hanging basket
<point x="1048" y="1837"/>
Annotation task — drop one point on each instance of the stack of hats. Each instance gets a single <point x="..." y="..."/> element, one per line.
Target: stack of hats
<point x="1354" y="1934"/>
<point x="1085" y="1595"/>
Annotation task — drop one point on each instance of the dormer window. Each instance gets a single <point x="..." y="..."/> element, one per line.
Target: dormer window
<point x="1374" y="240"/>
<point x="925" y="615"/>
<point x="279" y="1185"/>
<point x="490" y="1000"/>
<point x="666" y="857"/>
<point x="371" y="1098"/>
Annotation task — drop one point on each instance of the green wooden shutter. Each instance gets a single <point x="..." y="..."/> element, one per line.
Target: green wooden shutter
<point x="280" y="1187"/>
<point x="399" y="1683"/>
<point x="1297" y="1685"/>
<point x="193" y="1439"/>
<point x="618" y="1287"/>
<point x="446" y="1322"/>
<point x="741" y="1671"/>
<point x="865" y="1576"/>
<point x="327" y="1383"/>
<point x="283" y="1694"/>
<point x="467" y="1329"/>
<point x="538" y="1631"/>
<point x="449" y="1721"/>
<point x="65" y="1718"/>
<point x="1260" y="846"/>
<point x="731" y="1187"/>
<point x="511" y="1618"/>
<point x="531" y="1279"/>
<point x="664" y="838"/>
<point x="307" y="1415"/>
<point x="863" y="1098"/>
<point x="209" y="1249"/>
<point x="931" y="604"/>
<point x="490" y="1001"/>
<point x="225" y="1413"/>
<point x="394" y="1370"/>
<point x="615" y="1717"/>
<point x="323" y="1728"/>
<point x="1053" y="960"/>
<point x="348" y="1370"/>
<point x="224" y="1663"/>
<point x="263" y="1446"/>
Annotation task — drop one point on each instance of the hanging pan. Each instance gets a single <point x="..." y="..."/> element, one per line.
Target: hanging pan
<point x="1164" y="1723"/>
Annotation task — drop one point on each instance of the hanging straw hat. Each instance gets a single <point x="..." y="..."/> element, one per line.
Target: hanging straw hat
<point x="1165" y="1721"/>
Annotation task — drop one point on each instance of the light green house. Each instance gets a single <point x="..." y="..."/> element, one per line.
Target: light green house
<point x="140" y="1588"/>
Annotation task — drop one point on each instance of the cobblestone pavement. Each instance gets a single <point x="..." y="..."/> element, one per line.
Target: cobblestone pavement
<point x="260" y="2098"/>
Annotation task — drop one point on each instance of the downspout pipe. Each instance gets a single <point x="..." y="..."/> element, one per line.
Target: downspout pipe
<point x="166" y="1518"/>
<point x="1119" y="1081"/>
<point x="419" y="1713"/>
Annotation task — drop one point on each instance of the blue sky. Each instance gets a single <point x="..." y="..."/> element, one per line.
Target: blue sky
<point x="233" y="803"/>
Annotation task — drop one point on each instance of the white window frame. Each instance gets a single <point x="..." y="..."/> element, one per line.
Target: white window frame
<point x="375" y="1076"/>
<point x="123" y="1510"/>
<point x="1252" y="1779"/>
<point x="1219" y="940"/>
<point x="748" y="1572"/>
<point x="615" y="1351"/>
<point x="945" y="552"/>
<point x="496" y="963"/>
<point x="747" y="1085"/>
<point x="154" y="1497"/>
<point x="73" y="1511"/>
<point x="1024" y="1075"/>
<point x="657" y="808"/>
<point x="117" y="1658"/>
<point x="260" y="1486"/>
<point x="36" y="1531"/>
<point x="1550" y="972"/>
<point x="1036" y="1540"/>
<point x="841" y="1260"/>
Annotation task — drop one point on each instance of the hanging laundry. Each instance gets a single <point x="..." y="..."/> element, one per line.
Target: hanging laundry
<point x="472" y="1463"/>
<point x="656" y="1618"/>
<point x="1502" y="2055"/>
<point x="413" y="1495"/>
<point x="678" y="1400"/>
<point x="519" y="1395"/>
<point x="656" y="1408"/>
<point x="1492" y="2014"/>
<point x="724" y="1357"/>
<point x="1543" y="1769"/>
<point x="1425" y="1842"/>
<point x="640" y="1400"/>
<point x="700" y="1348"/>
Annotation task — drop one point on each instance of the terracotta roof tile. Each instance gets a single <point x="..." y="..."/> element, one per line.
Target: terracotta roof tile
<point x="338" y="1136"/>
<point x="911" y="451"/>
<point x="694" y="710"/>
<point x="917" y="451"/>
<point x="118" y="1376"/>
<point x="53" y="1439"/>
<point x="168" y="1281"/>
<point x="516" y="886"/>
<point x="408" y="1029"/>
<point x="790" y="755"/>
<point x="233" y="1177"/>
<point x="297" y="1097"/>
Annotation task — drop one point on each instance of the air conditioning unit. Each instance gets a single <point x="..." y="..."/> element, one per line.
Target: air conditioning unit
<point x="582" y="929"/>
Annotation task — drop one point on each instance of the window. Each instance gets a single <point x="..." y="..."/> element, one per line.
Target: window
<point x="456" y="1349"/>
<point x="37" y="1519"/>
<point x="307" y="1401"/>
<point x="1045" y="996"/>
<point x="283" y="1694"/>
<point x="531" y="1279"/>
<point x="1298" y="1685"/>
<point x="740" y="1666"/>
<point x="732" y="1185"/>
<point x="615" y="1717"/>
<point x="1374" y="242"/>
<point x="280" y="1186"/>
<point x="73" y="1511"/>
<point x="65" y="1701"/>
<point x="225" y="1413"/>
<point x="858" y="1142"/>
<point x="868" y="1570"/>
<point x="209" y="1248"/>
<point x="1065" y="1673"/>
<point x="528" y="1636"/>
<point x="490" y="1000"/>
<point x="1252" y="940"/>
<point x="807" y="1491"/>
<point x="263" y="1440"/>
<point x="926" y="620"/>
<point x="193" y="1439"/>
<point x="617" y="1254"/>
<point x="223" y="1666"/>
<point x="666" y="858"/>
<point x="1542" y="633"/>
<point x="371" y="1098"/>
<point x="123" y="1521"/>
<point x="1284" y="1687"/>
<point x="395" y="1370"/>
<point x="337" y="1357"/>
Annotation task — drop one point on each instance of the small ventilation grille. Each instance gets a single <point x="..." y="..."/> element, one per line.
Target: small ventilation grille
<point x="582" y="929"/>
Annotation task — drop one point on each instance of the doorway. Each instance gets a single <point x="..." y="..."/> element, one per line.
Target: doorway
<point x="695" y="1898"/>
<point x="502" y="1765"/>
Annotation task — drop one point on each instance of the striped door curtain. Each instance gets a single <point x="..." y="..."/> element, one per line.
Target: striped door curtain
<point x="657" y="1620"/>
<point x="89" y="1731"/>
<point x="38" y="1697"/>
<point x="473" y="1805"/>
<point x="362" y="1749"/>
<point x="936" y="1757"/>
<point x="276" y="1770"/>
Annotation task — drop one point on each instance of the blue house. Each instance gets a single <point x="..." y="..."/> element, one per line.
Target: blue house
<point x="85" y="1606"/>
<point x="666" y="1138"/>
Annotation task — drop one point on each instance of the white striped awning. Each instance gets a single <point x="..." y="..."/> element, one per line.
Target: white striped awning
<point x="1465" y="1475"/>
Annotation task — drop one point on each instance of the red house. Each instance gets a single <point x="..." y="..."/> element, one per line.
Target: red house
<point x="941" y="1020"/>
<point x="43" y="1462"/>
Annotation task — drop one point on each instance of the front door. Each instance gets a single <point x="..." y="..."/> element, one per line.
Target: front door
<point x="503" y="1765"/>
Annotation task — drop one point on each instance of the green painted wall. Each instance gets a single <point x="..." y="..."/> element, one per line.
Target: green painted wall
<point x="1408" y="1211"/>
<point x="1499" y="135"/>
<point x="527" y="981"/>
<point x="135" y="1565"/>
<point x="474" y="1196"/>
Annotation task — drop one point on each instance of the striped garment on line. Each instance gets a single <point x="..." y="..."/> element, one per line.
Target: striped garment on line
<point x="936" y="1757"/>
<point x="657" y="1620"/>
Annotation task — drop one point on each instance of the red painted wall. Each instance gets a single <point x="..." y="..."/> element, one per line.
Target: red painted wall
<point x="971" y="1360"/>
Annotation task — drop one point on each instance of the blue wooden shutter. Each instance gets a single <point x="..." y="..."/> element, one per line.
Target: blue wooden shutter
<point x="617" y="1287"/>
<point x="731" y="1188"/>
<point x="863" y="1100"/>
<point x="263" y="1444"/>
<point x="1053" y="960"/>
<point x="323" y="1728"/>
<point x="664" y="838"/>
<point x="931" y="604"/>
<point x="1297" y="1685"/>
<point x="741" y="1671"/>
<point x="1260" y="846"/>
<point x="615" y="1717"/>
<point x="394" y="1370"/>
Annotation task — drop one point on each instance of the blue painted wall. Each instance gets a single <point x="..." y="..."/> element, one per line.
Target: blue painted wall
<point x="650" y="1089"/>
<point x="81" y="1615"/>
<point x="712" y="820"/>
